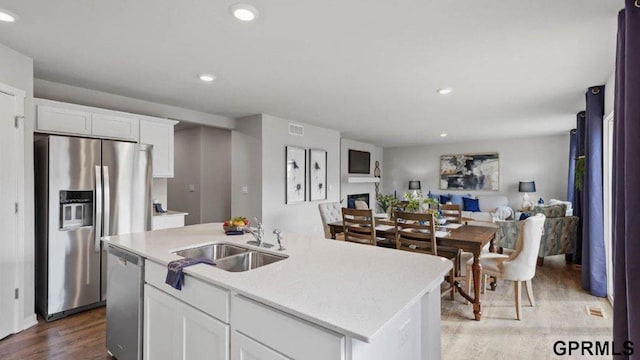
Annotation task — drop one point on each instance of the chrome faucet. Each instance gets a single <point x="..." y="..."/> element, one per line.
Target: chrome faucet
<point x="279" y="238"/>
<point x="258" y="234"/>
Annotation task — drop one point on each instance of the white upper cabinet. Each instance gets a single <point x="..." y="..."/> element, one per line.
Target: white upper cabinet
<point x="113" y="126"/>
<point x="61" y="120"/>
<point x="71" y="119"/>
<point x="159" y="133"/>
<point x="64" y="118"/>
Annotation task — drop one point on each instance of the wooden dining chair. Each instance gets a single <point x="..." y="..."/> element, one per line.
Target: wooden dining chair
<point x="417" y="232"/>
<point x="453" y="213"/>
<point x="359" y="226"/>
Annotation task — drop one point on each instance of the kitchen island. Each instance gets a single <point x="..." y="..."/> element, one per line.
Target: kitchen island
<point x="327" y="300"/>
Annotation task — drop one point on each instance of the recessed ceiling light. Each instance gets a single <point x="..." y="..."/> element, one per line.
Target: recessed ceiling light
<point x="244" y="12"/>
<point x="7" y="16"/>
<point x="445" y="91"/>
<point x="207" y="77"/>
<point x="443" y="135"/>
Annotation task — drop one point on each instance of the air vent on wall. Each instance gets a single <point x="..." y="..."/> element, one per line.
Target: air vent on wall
<point x="295" y="129"/>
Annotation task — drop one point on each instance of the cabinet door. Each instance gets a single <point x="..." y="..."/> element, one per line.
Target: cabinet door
<point x="203" y="337"/>
<point x="161" y="325"/>
<point x="52" y="119"/>
<point x="116" y="127"/>
<point x="160" y="135"/>
<point x="244" y="348"/>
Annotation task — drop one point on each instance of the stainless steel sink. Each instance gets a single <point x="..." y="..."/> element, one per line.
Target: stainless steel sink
<point x="212" y="251"/>
<point x="247" y="261"/>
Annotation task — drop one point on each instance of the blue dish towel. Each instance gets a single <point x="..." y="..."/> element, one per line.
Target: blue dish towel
<point x="232" y="232"/>
<point x="174" y="270"/>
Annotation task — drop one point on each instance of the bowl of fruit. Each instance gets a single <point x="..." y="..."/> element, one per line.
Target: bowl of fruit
<point x="237" y="223"/>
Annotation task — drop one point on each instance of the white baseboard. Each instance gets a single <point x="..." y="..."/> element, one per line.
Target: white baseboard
<point x="29" y="321"/>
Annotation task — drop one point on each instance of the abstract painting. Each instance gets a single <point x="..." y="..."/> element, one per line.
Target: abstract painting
<point x="317" y="174"/>
<point x="470" y="172"/>
<point x="296" y="174"/>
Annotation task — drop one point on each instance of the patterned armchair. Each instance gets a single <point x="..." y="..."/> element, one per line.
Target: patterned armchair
<point x="558" y="237"/>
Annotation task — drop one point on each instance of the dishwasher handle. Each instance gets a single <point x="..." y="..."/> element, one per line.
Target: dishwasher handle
<point x="125" y="257"/>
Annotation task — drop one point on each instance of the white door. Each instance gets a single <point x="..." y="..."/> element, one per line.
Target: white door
<point x="8" y="214"/>
<point x="161" y="326"/>
<point x="203" y="337"/>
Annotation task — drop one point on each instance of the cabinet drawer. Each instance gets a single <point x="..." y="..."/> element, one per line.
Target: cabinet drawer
<point x="51" y="119"/>
<point x="114" y="127"/>
<point x="206" y="297"/>
<point x="293" y="337"/>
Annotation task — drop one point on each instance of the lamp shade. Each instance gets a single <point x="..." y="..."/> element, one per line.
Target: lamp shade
<point x="414" y="185"/>
<point x="527" y="186"/>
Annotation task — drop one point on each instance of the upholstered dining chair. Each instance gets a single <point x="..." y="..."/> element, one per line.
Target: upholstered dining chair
<point x="518" y="266"/>
<point x="417" y="232"/>
<point x="329" y="213"/>
<point x="452" y="212"/>
<point x="359" y="226"/>
<point x="361" y="205"/>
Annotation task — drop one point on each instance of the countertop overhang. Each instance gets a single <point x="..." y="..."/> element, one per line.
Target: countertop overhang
<point x="349" y="288"/>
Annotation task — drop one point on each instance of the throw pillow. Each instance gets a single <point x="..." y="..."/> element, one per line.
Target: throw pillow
<point x="457" y="199"/>
<point x="524" y="215"/>
<point x="444" y="199"/>
<point x="470" y="204"/>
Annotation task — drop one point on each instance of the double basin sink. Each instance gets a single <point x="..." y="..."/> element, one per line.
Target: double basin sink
<point x="231" y="257"/>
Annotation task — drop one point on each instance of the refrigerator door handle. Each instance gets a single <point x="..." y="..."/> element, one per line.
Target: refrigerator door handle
<point x="98" y="209"/>
<point x="107" y="200"/>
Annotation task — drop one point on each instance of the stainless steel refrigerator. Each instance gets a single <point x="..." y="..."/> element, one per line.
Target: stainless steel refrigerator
<point x="85" y="189"/>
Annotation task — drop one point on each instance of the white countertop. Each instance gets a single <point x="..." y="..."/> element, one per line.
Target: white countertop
<point x="349" y="288"/>
<point x="170" y="213"/>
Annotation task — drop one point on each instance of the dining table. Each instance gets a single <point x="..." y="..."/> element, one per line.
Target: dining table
<point x="469" y="238"/>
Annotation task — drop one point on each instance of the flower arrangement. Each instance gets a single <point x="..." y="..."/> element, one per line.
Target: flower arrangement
<point x="386" y="202"/>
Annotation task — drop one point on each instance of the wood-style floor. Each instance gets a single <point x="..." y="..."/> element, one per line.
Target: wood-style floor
<point x="77" y="337"/>
<point x="559" y="315"/>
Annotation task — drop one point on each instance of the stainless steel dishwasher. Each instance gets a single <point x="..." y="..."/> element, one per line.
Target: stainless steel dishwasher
<point x="125" y="290"/>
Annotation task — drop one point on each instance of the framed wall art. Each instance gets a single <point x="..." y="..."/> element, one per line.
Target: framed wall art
<point x="470" y="172"/>
<point x="317" y="174"/>
<point x="296" y="180"/>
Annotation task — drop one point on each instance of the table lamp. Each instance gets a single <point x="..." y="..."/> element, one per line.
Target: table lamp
<point x="415" y="186"/>
<point x="526" y="187"/>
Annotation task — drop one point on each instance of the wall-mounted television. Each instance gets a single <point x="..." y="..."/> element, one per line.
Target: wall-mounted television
<point x="359" y="162"/>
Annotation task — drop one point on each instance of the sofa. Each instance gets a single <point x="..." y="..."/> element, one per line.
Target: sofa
<point x="558" y="236"/>
<point x="486" y="207"/>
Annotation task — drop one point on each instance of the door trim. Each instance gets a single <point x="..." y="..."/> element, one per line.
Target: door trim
<point x="19" y="321"/>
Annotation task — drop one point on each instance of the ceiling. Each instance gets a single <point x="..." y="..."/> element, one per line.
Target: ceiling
<point x="367" y="68"/>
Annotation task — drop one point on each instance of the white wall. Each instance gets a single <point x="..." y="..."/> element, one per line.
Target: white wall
<point x="215" y="174"/>
<point x="303" y="217"/>
<point x="349" y="189"/>
<point x="16" y="70"/>
<point x="258" y="157"/>
<point x="542" y="159"/>
<point x="186" y="172"/>
<point x="202" y="159"/>
<point x="77" y="95"/>
<point x="246" y="169"/>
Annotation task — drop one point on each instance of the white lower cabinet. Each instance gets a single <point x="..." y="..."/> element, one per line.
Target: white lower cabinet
<point x="244" y="348"/>
<point x="175" y="330"/>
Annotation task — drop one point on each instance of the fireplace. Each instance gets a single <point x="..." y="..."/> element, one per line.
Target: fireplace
<point x="351" y="200"/>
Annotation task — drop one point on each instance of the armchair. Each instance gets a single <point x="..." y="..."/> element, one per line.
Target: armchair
<point x="559" y="232"/>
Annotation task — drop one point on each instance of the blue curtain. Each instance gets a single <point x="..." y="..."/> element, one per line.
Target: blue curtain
<point x="577" y="196"/>
<point x="626" y="172"/>
<point x="573" y="150"/>
<point x="594" y="276"/>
